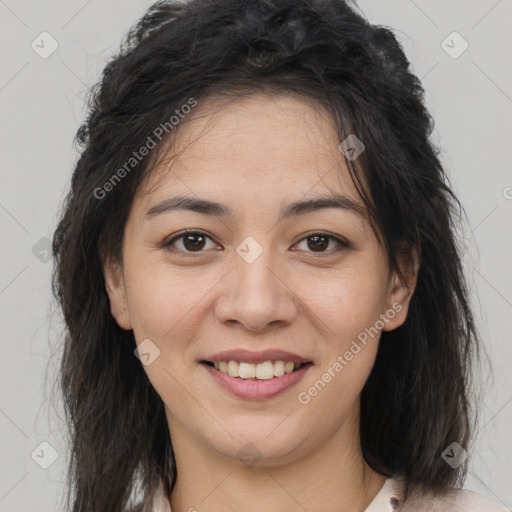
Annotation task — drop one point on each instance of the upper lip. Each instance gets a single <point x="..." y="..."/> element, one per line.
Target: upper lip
<point x="248" y="356"/>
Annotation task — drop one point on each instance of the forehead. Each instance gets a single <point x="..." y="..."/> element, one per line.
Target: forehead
<point x="260" y="146"/>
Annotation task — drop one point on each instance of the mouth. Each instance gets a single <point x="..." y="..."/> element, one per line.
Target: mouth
<point x="255" y="381"/>
<point x="266" y="370"/>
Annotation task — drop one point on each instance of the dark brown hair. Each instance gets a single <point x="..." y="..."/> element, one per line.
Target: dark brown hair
<point x="416" y="400"/>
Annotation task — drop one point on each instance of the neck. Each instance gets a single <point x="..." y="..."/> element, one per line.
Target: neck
<point x="333" y="475"/>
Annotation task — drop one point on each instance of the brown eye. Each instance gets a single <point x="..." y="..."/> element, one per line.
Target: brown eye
<point x="318" y="242"/>
<point x="191" y="241"/>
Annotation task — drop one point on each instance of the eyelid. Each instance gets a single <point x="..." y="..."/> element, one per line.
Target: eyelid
<point x="323" y="233"/>
<point x="342" y="243"/>
<point x="167" y="242"/>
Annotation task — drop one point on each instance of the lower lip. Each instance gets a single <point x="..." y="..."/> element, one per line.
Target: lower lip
<point x="257" y="389"/>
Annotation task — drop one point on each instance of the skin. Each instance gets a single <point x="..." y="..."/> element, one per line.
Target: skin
<point x="255" y="155"/>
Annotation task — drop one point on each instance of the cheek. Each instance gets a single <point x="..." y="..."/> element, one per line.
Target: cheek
<point x="154" y="306"/>
<point x="165" y="302"/>
<point x="346" y="306"/>
<point x="346" y="302"/>
<point x="349" y="309"/>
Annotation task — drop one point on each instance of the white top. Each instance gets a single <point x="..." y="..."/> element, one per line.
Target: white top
<point x="389" y="499"/>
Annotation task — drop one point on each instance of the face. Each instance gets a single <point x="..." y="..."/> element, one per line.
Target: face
<point x="255" y="276"/>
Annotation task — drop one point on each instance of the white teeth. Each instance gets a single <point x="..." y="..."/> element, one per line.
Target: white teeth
<point x="247" y="371"/>
<point x="288" y="367"/>
<point x="279" y="368"/>
<point x="233" y="369"/>
<point x="265" y="371"/>
<point x="260" y="371"/>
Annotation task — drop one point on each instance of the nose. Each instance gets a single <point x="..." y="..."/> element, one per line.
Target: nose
<point x="257" y="296"/>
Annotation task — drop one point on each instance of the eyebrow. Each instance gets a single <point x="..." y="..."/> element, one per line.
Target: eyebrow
<point x="219" y="210"/>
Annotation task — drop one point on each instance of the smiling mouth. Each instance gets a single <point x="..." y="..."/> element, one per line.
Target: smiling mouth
<point x="261" y="371"/>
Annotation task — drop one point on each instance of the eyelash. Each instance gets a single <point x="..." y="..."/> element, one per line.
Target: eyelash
<point x="342" y="244"/>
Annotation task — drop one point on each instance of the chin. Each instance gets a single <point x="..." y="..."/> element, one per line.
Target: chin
<point x="261" y="446"/>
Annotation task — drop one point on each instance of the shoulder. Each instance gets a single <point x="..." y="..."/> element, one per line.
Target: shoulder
<point x="455" y="500"/>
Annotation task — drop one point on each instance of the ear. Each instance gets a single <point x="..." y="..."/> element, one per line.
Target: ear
<point x="114" y="283"/>
<point x="401" y="290"/>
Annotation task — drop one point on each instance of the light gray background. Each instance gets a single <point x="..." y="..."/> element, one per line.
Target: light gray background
<point x="42" y="105"/>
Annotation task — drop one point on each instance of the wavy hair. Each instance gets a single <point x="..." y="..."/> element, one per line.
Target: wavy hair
<point x="417" y="399"/>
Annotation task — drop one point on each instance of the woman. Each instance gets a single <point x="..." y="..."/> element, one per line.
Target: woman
<point x="256" y="263"/>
